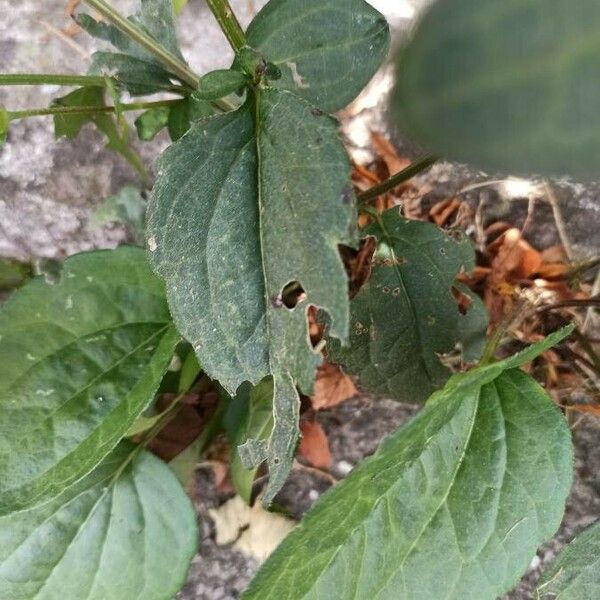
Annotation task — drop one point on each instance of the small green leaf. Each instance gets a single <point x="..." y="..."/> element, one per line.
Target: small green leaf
<point x="127" y="530"/>
<point x="4" y="123"/>
<point x="186" y="112"/>
<point x="254" y="422"/>
<point x="133" y="66"/>
<point x="244" y="204"/>
<point x="453" y="505"/>
<point x="70" y="125"/>
<point x="127" y="207"/>
<point x="80" y="359"/>
<point x="405" y="316"/>
<point x="575" y="573"/>
<point x="189" y="372"/>
<point x="326" y="50"/>
<point x="509" y="86"/>
<point x="149" y="123"/>
<point x="137" y="76"/>
<point x="220" y="83"/>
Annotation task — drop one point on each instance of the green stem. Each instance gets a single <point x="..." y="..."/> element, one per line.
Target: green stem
<point x="489" y="352"/>
<point x="228" y="22"/>
<point x="84" y="110"/>
<point x="42" y="78"/>
<point x="395" y="180"/>
<point x="166" y="417"/>
<point x="173" y="64"/>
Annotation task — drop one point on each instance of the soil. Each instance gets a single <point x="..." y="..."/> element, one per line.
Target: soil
<point x="48" y="189"/>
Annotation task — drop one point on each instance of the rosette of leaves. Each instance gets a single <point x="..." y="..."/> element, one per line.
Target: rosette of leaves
<point x="249" y="208"/>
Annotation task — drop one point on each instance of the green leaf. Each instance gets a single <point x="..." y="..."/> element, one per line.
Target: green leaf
<point x="244" y="204"/>
<point x="149" y="123"/>
<point x="575" y="573"/>
<point x="190" y="369"/>
<point x="133" y="66"/>
<point x="79" y="361"/>
<point x="220" y="83"/>
<point x="4" y="123"/>
<point x="139" y="77"/>
<point x="186" y="112"/>
<point x="127" y="207"/>
<point x="70" y="125"/>
<point x="127" y="530"/>
<point x="327" y="50"/>
<point x="453" y="505"/>
<point x="405" y="316"/>
<point x="510" y="86"/>
<point x="254" y="421"/>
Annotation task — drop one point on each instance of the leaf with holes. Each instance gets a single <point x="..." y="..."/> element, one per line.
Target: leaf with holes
<point x="111" y="529"/>
<point x="233" y="220"/>
<point x="405" y="316"/>
<point x="132" y="66"/>
<point x="509" y="86"/>
<point x="79" y="361"/>
<point x="575" y="573"/>
<point x="470" y="488"/>
<point x="327" y="50"/>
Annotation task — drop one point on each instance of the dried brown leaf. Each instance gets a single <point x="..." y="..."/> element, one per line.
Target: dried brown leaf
<point x="332" y="387"/>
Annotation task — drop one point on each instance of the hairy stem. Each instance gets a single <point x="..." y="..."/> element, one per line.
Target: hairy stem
<point x="395" y="180"/>
<point x="228" y="22"/>
<point x="84" y="110"/>
<point x="172" y="63"/>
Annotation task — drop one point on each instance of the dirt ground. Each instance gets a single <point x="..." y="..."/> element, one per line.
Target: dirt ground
<point x="48" y="189"/>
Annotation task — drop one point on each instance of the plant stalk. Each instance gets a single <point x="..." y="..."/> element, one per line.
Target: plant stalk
<point x="173" y="64"/>
<point x="395" y="180"/>
<point x="228" y="22"/>
<point x="42" y="78"/>
<point x="84" y="110"/>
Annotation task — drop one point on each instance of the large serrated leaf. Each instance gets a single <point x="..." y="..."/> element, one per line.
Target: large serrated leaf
<point x="327" y="50"/>
<point x="453" y="505"/>
<point x="133" y="66"/>
<point x="244" y="204"/>
<point x="575" y="574"/>
<point x="507" y="85"/>
<point x="405" y="315"/>
<point x="79" y="361"/>
<point x="126" y="531"/>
